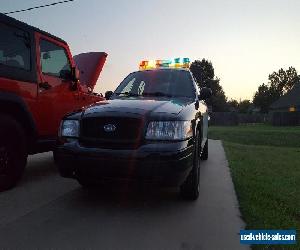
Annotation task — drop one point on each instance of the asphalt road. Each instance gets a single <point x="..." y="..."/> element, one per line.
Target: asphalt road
<point x="46" y="211"/>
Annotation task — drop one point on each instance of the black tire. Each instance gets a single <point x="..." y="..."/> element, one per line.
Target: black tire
<point x="85" y="183"/>
<point x="13" y="152"/>
<point x="64" y="171"/>
<point x="55" y="157"/>
<point x="204" y="155"/>
<point x="189" y="190"/>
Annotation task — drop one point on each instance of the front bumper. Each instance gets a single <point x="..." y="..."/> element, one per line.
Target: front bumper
<point x="167" y="163"/>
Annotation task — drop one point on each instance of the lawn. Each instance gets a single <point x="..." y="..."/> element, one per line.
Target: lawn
<point x="265" y="167"/>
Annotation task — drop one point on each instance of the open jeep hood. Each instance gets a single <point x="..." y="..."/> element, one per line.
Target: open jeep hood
<point x="90" y="66"/>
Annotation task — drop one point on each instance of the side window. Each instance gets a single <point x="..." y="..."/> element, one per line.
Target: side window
<point x="14" y="47"/>
<point x="128" y="87"/>
<point x="141" y="88"/>
<point x="54" y="60"/>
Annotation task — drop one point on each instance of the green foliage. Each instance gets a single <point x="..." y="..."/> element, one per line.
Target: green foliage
<point x="233" y="105"/>
<point x="264" y="97"/>
<point x="283" y="80"/>
<point x="204" y="74"/>
<point x="244" y="106"/>
<point x="203" y="71"/>
<point x="279" y="83"/>
<point x="241" y="107"/>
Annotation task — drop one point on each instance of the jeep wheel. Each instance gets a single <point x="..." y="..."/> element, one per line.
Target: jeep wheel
<point x="204" y="155"/>
<point x="13" y="153"/>
<point x="189" y="190"/>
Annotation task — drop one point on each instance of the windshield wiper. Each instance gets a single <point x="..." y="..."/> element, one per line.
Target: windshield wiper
<point x="126" y="94"/>
<point x="156" y="94"/>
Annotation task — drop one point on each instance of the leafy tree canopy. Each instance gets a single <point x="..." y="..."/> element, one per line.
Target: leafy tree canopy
<point x="280" y="82"/>
<point x="283" y="80"/>
<point x="243" y="106"/>
<point x="204" y="74"/>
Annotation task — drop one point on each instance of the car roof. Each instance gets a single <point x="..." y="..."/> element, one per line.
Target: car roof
<point x="12" y="21"/>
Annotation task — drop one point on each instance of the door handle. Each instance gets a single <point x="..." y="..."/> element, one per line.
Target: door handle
<point x="45" y="85"/>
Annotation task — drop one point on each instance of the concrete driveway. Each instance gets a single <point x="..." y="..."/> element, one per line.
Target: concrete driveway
<point x="46" y="211"/>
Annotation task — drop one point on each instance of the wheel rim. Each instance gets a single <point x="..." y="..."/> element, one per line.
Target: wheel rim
<point x="4" y="160"/>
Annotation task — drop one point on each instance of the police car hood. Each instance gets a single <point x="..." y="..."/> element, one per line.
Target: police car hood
<point x="90" y="66"/>
<point x="136" y="106"/>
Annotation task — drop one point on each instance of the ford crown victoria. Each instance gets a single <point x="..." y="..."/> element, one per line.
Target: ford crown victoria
<point x="152" y="127"/>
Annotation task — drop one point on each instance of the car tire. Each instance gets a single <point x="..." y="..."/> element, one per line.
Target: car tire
<point x="55" y="157"/>
<point x="204" y="155"/>
<point x="13" y="152"/>
<point x="84" y="182"/>
<point x="66" y="173"/>
<point x="189" y="190"/>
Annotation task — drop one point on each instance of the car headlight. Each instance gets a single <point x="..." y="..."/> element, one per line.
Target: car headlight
<point x="169" y="130"/>
<point x="69" y="128"/>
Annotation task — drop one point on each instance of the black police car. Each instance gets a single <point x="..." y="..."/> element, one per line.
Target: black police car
<point x="153" y="127"/>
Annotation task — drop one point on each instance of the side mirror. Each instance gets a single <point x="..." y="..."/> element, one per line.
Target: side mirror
<point x="65" y="74"/>
<point x="108" y="94"/>
<point x="75" y="74"/>
<point x="205" y="93"/>
<point x="46" y="55"/>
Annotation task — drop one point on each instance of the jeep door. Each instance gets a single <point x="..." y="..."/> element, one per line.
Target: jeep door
<point x="55" y="95"/>
<point x="17" y="67"/>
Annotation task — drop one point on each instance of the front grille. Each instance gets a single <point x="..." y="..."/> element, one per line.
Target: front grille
<point x="127" y="132"/>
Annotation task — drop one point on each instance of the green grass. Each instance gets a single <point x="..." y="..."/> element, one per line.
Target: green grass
<point x="265" y="167"/>
<point x="258" y="135"/>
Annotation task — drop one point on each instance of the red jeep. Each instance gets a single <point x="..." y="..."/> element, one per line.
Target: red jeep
<point x="39" y="84"/>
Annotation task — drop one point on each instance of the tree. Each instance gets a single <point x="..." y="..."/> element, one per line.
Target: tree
<point x="204" y="74"/>
<point x="263" y="98"/>
<point x="279" y="83"/>
<point x="283" y="80"/>
<point x="241" y="106"/>
<point x="233" y="105"/>
<point x="203" y="71"/>
<point x="244" y="106"/>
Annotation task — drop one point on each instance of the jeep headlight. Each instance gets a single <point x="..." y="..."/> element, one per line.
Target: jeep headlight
<point x="69" y="128"/>
<point x="169" y="130"/>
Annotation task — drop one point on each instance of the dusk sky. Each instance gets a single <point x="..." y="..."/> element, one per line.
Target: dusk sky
<point x="245" y="40"/>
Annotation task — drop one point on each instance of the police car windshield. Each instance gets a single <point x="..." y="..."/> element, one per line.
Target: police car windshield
<point x="158" y="83"/>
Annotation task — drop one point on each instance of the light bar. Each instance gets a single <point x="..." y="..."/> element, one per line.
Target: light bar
<point x="173" y="63"/>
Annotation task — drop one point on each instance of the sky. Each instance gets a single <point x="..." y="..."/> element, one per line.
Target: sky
<point x="245" y="40"/>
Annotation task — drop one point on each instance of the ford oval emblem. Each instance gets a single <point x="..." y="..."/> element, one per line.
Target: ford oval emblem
<point x="109" y="128"/>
